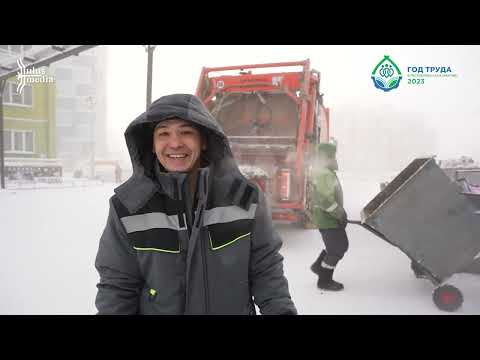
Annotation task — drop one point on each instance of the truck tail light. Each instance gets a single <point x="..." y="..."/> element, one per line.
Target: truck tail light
<point x="284" y="181"/>
<point x="261" y="183"/>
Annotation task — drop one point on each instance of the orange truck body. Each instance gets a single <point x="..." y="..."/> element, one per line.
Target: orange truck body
<point x="277" y="157"/>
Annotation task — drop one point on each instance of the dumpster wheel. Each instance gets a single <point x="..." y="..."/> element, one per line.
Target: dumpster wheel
<point x="447" y="298"/>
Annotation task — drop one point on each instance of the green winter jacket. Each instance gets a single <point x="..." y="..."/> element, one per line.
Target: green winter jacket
<point x="327" y="199"/>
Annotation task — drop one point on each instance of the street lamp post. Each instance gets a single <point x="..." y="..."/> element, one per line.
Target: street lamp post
<point x="2" y="149"/>
<point x="91" y="102"/>
<point x="149" y="49"/>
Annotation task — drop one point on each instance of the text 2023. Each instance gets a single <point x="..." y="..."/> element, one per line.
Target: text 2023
<point x="416" y="81"/>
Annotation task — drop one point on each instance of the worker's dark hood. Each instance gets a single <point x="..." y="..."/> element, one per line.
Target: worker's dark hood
<point x="139" y="134"/>
<point x="139" y="138"/>
<point x="325" y="156"/>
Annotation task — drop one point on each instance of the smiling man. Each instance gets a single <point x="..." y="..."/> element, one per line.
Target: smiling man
<point x="187" y="233"/>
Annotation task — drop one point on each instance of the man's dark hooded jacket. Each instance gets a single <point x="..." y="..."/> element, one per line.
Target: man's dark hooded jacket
<point x="163" y="253"/>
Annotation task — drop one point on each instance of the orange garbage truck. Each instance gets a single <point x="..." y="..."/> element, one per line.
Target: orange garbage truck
<point x="273" y="115"/>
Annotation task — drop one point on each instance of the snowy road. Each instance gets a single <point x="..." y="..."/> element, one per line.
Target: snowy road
<point x="377" y="278"/>
<point x="50" y="238"/>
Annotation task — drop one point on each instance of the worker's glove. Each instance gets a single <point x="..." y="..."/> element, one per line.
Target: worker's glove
<point x="341" y="216"/>
<point x="342" y="223"/>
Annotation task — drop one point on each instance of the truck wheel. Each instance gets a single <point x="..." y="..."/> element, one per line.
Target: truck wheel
<point x="447" y="298"/>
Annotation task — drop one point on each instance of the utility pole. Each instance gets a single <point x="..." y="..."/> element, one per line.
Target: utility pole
<point x="2" y="162"/>
<point x="91" y="101"/>
<point x="149" y="49"/>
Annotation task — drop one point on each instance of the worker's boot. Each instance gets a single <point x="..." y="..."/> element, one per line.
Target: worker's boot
<point x="318" y="263"/>
<point x="325" y="281"/>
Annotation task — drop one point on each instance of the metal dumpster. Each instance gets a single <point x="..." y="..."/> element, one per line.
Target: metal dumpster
<point x="423" y="213"/>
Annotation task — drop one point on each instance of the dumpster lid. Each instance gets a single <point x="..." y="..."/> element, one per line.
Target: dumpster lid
<point x="394" y="186"/>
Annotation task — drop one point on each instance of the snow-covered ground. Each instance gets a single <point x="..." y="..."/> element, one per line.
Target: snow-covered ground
<point x="50" y="238"/>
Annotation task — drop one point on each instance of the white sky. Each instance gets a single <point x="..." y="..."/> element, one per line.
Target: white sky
<point x="375" y="130"/>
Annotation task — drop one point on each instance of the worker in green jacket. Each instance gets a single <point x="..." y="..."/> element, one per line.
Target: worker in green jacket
<point x="329" y="216"/>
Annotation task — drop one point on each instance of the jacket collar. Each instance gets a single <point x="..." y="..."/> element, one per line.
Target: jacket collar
<point x="139" y="189"/>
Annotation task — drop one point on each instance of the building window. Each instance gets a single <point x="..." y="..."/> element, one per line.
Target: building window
<point x="28" y="141"/>
<point x="15" y="97"/>
<point x="18" y="49"/>
<point x="65" y="103"/>
<point x="11" y="97"/>
<point x="64" y="87"/>
<point x="19" y="141"/>
<point x="7" y="140"/>
<point x="82" y="75"/>
<point x="63" y="74"/>
<point x="85" y="90"/>
<point x="27" y="95"/>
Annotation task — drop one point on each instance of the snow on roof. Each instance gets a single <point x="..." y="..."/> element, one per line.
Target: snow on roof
<point x="462" y="162"/>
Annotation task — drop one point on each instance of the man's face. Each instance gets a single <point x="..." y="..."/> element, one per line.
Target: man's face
<point x="178" y="145"/>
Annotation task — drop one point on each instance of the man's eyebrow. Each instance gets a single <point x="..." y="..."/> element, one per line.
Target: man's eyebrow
<point x="183" y="125"/>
